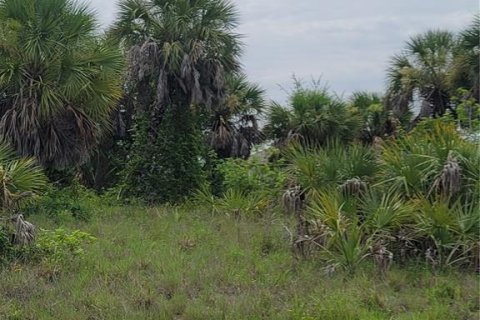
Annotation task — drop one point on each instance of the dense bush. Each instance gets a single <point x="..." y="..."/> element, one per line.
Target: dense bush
<point x="59" y="204"/>
<point x="421" y="202"/>
<point x="168" y="168"/>
<point x="252" y="176"/>
<point x="249" y="187"/>
<point x="417" y="164"/>
<point x="314" y="116"/>
<point x="412" y="198"/>
<point x="318" y="168"/>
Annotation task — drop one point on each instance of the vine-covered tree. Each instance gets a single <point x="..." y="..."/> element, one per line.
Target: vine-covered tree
<point x="180" y="53"/>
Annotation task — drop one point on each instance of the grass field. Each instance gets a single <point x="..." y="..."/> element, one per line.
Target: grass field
<point x="168" y="263"/>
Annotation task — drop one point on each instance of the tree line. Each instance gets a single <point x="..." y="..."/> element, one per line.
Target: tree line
<point x="150" y="106"/>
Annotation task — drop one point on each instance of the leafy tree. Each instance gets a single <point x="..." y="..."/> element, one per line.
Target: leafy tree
<point x="180" y="53"/>
<point x="58" y="80"/>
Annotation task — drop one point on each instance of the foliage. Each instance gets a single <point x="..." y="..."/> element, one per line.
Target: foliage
<point x="249" y="187"/>
<point x="468" y="111"/>
<point x="234" y="124"/>
<point x="377" y="121"/>
<point x="316" y="169"/>
<point x="431" y="68"/>
<point x="423" y="67"/>
<point x="19" y="178"/>
<point x="180" y="54"/>
<point x="466" y="65"/>
<point x="314" y="117"/>
<point x="412" y="163"/>
<point x="6" y="246"/>
<point x="60" y="245"/>
<point x="251" y="176"/>
<point x="59" y="81"/>
<point x="240" y="203"/>
<point x="413" y="199"/>
<point x="168" y="169"/>
<point x="59" y="204"/>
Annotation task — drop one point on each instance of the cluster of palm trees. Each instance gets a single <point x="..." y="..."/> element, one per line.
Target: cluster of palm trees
<point x="432" y="66"/>
<point x="65" y="89"/>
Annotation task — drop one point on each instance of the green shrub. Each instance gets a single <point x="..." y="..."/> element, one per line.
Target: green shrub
<point x="57" y="248"/>
<point x="6" y="246"/>
<point x="167" y="168"/>
<point x="20" y="178"/>
<point x="74" y="201"/>
<point x="239" y="203"/>
<point x="328" y="167"/>
<point x="251" y="176"/>
<point x="315" y="117"/>
<point x="412" y="163"/>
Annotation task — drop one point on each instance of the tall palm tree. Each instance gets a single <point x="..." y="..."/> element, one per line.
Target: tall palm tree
<point x="234" y="125"/>
<point x="422" y="68"/>
<point x="314" y="117"/>
<point x="180" y="52"/>
<point x="58" y="80"/>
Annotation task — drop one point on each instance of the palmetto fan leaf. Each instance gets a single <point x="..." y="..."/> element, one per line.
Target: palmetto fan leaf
<point x="59" y="82"/>
<point x="19" y="178"/>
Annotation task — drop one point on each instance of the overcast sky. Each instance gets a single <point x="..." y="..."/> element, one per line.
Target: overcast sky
<point x="345" y="42"/>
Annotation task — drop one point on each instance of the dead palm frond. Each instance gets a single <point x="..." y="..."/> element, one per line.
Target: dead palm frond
<point x="58" y="89"/>
<point x="353" y="187"/>
<point x="24" y="230"/>
<point x="448" y="183"/>
<point x="292" y="199"/>
<point x="382" y="257"/>
<point x="180" y="53"/>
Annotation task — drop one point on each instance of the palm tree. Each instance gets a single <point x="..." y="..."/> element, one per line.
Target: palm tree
<point x="422" y="69"/>
<point x="377" y="122"/>
<point x="58" y="80"/>
<point x="314" y="117"/>
<point x="234" y="125"/>
<point x="466" y="64"/>
<point x="179" y="51"/>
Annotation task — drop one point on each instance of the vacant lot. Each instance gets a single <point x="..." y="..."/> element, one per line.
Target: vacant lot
<point x="169" y="263"/>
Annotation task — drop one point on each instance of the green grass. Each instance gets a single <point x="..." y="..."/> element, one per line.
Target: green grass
<point x="169" y="263"/>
